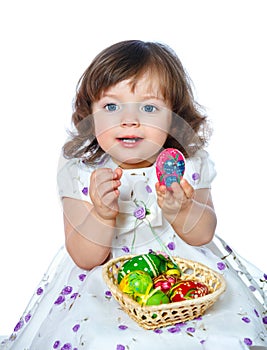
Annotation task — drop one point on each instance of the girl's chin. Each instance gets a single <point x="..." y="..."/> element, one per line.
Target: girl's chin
<point x="133" y="163"/>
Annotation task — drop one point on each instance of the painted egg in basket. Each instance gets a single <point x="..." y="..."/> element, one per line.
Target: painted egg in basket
<point x="165" y="282"/>
<point x="186" y="290"/>
<point x="136" y="282"/>
<point x="155" y="297"/>
<point x="158" y="298"/>
<point x="151" y="263"/>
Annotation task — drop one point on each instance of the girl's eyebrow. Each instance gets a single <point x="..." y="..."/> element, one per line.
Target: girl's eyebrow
<point x="144" y="97"/>
<point x="104" y="94"/>
<point x="152" y="97"/>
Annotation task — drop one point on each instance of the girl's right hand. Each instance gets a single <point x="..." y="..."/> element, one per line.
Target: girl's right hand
<point x="104" y="192"/>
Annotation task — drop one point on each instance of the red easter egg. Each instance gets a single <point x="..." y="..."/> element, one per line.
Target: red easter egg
<point x="170" y="166"/>
<point x="186" y="290"/>
<point x="165" y="282"/>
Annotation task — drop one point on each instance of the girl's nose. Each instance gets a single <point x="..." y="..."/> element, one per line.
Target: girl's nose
<point x="134" y="123"/>
<point x="130" y="116"/>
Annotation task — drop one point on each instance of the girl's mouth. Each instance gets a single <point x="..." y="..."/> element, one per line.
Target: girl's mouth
<point x="129" y="141"/>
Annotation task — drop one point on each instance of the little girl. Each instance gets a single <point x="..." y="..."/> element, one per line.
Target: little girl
<point x="133" y="101"/>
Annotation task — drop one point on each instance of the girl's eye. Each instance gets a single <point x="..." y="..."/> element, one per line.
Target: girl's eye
<point x="149" y="108"/>
<point x="111" y="107"/>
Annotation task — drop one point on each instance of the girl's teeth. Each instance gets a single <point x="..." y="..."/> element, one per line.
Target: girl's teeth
<point x="129" y="140"/>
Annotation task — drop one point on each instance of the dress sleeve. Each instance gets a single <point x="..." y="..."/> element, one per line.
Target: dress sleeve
<point x="73" y="179"/>
<point x="200" y="170"/>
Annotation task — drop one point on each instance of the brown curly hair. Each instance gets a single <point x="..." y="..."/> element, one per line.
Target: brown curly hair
<point x="130" y="60"/>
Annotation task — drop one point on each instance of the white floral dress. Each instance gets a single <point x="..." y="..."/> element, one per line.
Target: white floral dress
<point x="73" y="309"/>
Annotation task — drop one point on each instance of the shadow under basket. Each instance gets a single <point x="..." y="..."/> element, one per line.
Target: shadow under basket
<point x="157" y="316"/>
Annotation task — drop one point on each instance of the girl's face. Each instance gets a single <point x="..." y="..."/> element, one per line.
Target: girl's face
<point x="132" y="125"/>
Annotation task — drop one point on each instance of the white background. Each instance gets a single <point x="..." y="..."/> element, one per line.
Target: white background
<point x="46" y="46"/>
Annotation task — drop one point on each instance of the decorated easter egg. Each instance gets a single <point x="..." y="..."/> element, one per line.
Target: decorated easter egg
<point x="136" y="282"/>
<point x="155" y="297"/>
<point x="151" y="263"/>
<point x="170" y="166"/>
<point x="186" y="290"/>
<point x="165" y="282"/>
<point x="158" y="298"/>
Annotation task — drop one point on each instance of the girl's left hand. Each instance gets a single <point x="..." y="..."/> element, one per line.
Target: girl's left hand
<point x="175" y="200"/>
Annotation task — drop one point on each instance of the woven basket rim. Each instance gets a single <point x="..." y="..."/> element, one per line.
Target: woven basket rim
<point x="212" y="295"/>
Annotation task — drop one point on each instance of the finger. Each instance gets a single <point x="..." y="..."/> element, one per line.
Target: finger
<point x="102" y="200"/>
<point x="118" y="173"/>
<point x="101" y="175"/>
<point x="187" y="188"/>
<point x="110" y="200"/>
<point x="106" y="187"/>
<point x="102" y="182"/>
<point x="160" y="189"/>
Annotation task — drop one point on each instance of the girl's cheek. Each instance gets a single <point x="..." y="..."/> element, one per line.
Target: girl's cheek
<point x="102" y="126"/>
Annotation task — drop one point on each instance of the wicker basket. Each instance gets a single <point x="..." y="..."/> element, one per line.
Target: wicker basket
<point x="151" y="317"/>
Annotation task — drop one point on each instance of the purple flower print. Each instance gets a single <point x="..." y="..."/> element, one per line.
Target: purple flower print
<point x="66" y="290"/>
<point x="264" y="320"/>
<point x="174" y="329"/>
<point x="248" y="341"/>
<point x="66" y="346"/>
<point x="27" y="318"/>
<point x="59" y="300"/>
<point x="39" y="291"/>
<point x="191" y="329"/>
<point x="85" y="191"/>
<point x="252" y="288"/>
<point x="256" y="313"/>
<point x="19" y="325"/>
<point x="246" y="319"/>
<point x="56" y="344"/>
<point x="108" y="294"/>
<point x="199" y="318"/>
<point x="76" y="328"/>
<point x="140" y="213"/>
<point x="148" y="189"/>
<point x="82" y="277"/>
<point x="120" y="347"/>
<point x="195" y="176"/>
<point x="158" y="331"/>
<point x="125" y="249"/>
<point x="123" y="327"/>
<point x="221" y="265"/>
<point x="74" y="295"/>
<point x="171" y="245"/>
<point x="228" y="249"/>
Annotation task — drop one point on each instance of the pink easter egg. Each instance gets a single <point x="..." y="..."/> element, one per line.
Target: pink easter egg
<point x="170" y="166"/>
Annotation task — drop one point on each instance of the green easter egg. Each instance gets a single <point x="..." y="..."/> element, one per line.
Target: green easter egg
<point x="150" y="263"/>
<point x="136" y="282"/>
<point x="158" y="298"/>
